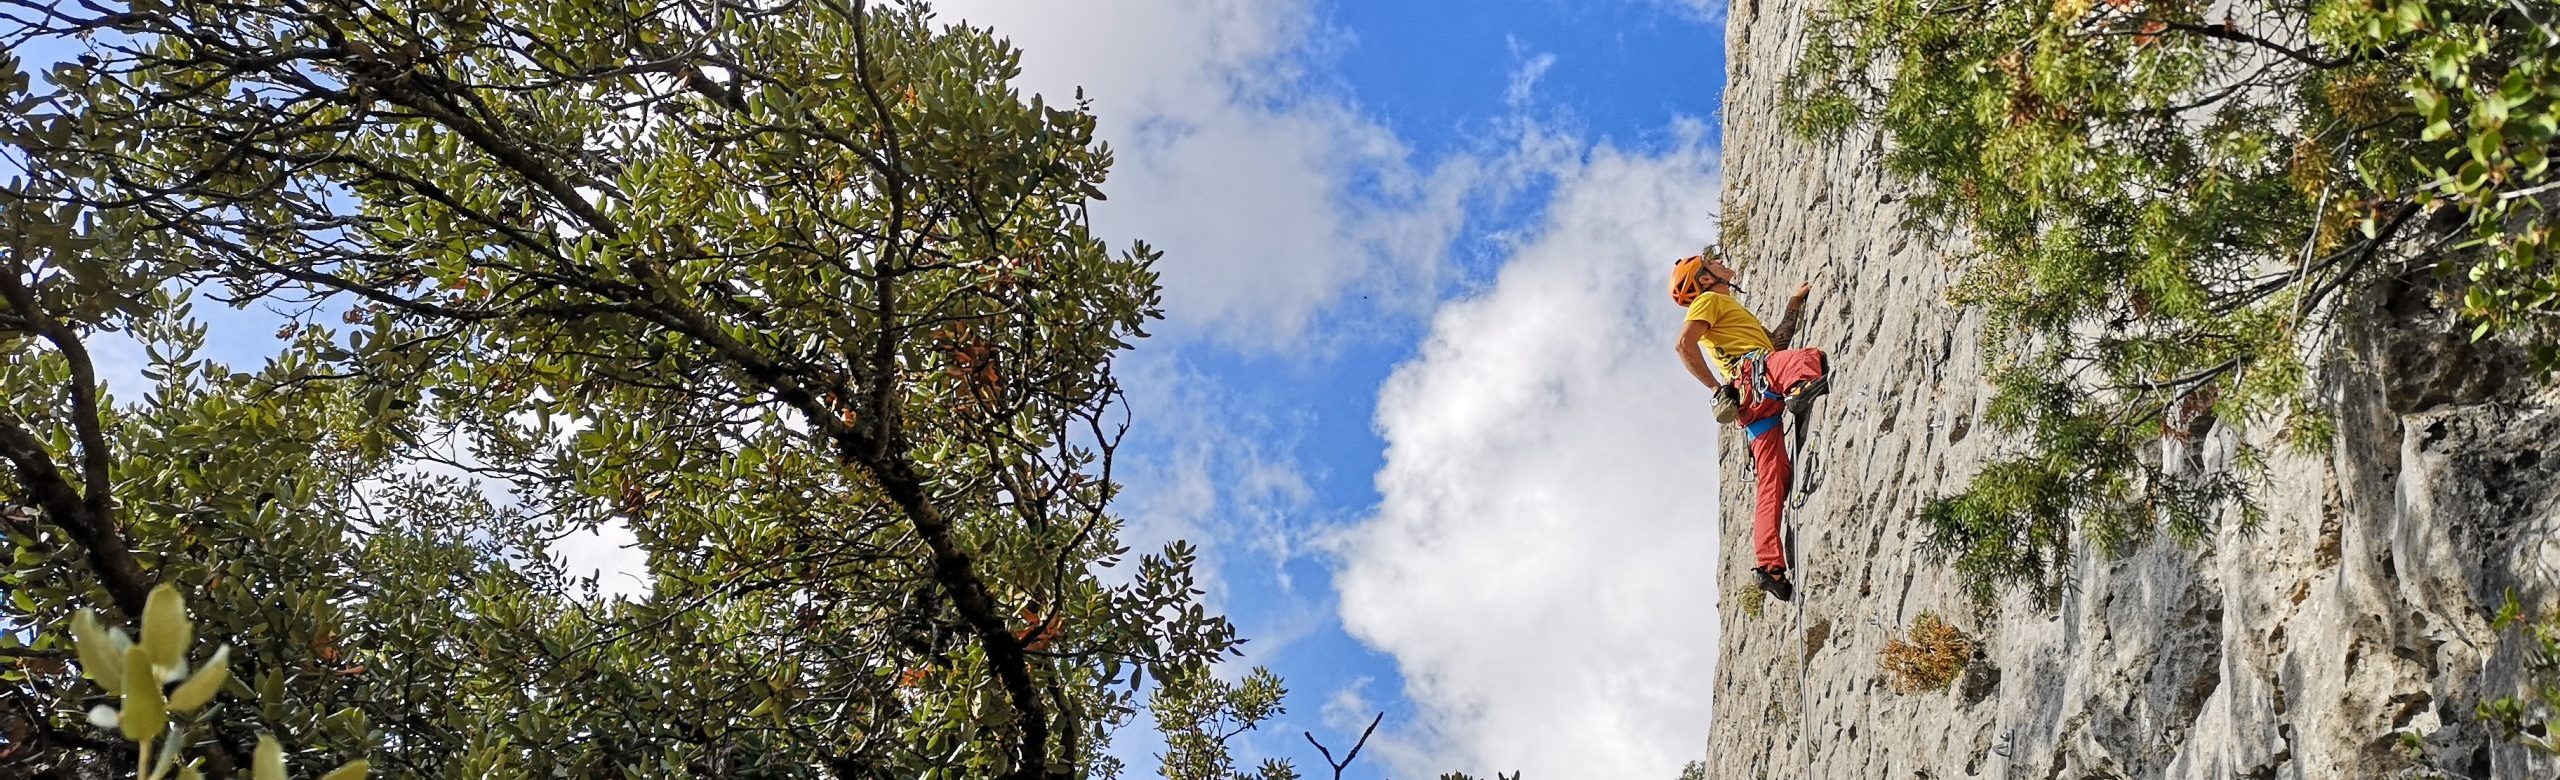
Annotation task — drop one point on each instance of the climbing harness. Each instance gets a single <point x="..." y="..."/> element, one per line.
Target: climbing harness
<point x="1804" y="464"/>
<point x="1751" y="369"/>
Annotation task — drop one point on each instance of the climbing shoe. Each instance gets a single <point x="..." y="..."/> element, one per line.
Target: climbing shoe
<point x="1801" y="398"/>
<point x="1727" y="407"/>
<point x="1774" y="580"/>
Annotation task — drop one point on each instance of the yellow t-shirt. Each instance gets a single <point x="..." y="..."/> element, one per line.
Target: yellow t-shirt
<point x="1731" y="330"/>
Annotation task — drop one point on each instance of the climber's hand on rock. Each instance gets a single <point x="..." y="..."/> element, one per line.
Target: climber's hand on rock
<point x="1803" y="290"/>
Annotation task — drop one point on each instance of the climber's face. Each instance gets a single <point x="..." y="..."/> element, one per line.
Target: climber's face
<point x="1715" y="275"/>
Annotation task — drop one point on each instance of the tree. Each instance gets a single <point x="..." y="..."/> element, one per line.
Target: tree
<point x="2166" y="215"/>
<point x="1202" y="715"/>
<point x="800" y="293"/>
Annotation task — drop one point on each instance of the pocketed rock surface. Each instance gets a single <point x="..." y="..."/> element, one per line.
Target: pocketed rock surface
<point x="2304" y="647"/>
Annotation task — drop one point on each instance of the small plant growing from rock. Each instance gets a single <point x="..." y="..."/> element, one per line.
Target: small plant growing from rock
<point x="1733" y="228"/>
<point x="1927" y="658"/>
<point x="2532" y="717"/>
<point x="1754" y="600"/>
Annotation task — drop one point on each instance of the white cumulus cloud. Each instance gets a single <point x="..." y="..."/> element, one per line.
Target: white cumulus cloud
<point x="1542" y="561"/>
<point x="1272" y="196"/>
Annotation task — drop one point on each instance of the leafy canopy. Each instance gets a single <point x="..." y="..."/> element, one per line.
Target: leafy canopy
<point x="801" y="294"/>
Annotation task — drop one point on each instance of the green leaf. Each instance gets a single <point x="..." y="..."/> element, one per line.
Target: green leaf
<point x="2411" y="14"/>
<point x="145" y="712"/>
<point x="100" y="659"/>
<point x="2471" y="177"/>
<point x="352" y="770"/>
<point x="2485" y="146"/>
<point x="166" y="632"/>
<point x="269" y="762"/>
<point x="2510" y="612"/>
<point x="2445" y="64"/>
<point x="271" y="694"/>
<point x="200" y="687"/>
<point x="168" y="758"/>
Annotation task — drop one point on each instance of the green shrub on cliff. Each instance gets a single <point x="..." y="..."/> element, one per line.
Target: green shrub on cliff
<point x="2165" y="214"/>
<point x="2531" y="717"/>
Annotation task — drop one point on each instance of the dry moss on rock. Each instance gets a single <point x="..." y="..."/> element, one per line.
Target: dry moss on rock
<point x="1927" y="658"/>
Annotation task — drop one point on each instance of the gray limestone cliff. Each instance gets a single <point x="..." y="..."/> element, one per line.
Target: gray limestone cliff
<point x="2301" y="648"/>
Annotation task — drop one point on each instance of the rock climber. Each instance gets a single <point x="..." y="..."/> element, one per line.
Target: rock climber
<point x="1756" y="379"/>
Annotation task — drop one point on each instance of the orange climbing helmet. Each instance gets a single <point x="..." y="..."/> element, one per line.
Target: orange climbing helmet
<point x="1685" y="273"/>
<point x="1684" y="279"/>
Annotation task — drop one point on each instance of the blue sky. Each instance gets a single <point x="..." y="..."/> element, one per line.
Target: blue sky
<point x="1415" y="396"/>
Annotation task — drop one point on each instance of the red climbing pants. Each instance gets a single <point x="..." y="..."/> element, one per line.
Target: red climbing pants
<point x="1769" y="459"/>
<point x="1763" y="384"/>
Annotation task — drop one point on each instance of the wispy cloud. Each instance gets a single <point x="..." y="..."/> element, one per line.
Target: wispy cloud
<point x="1209" y="466"/>
<point x="1348" y="709"/>
<point x="1710" y="11"/>
<point x="1273" y="197"/>
<point x="1214" y="468"/>
<point x="1524" y="80"/>
<point x="1542" y="562"/>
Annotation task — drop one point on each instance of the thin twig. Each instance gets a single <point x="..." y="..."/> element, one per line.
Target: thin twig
<point x="2527" y="193"/>
<point x="2229" y="34"/>
<point x="1355" y="747"/>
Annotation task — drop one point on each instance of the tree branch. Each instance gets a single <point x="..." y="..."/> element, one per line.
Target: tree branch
<point x="88" y="513"/>
<point x="2234" y="35"/>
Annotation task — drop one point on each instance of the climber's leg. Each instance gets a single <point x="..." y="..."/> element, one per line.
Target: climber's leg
<point x="1769" y="456"/>
<point x="1792" y="369"/>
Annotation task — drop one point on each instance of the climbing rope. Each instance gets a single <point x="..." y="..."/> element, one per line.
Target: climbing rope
<point x="1804" y="703"/>
<point x="1803" y="474"/>
<point x="1804" y="596"/>
<point x="1804" y="466"/>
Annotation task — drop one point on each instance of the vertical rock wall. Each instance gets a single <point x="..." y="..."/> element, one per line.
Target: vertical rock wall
<point x="2297" y="649"/>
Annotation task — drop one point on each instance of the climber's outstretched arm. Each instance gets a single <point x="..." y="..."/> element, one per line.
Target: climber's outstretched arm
<point x="1785" y="333"/>
<point x="1694" y="359"/>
